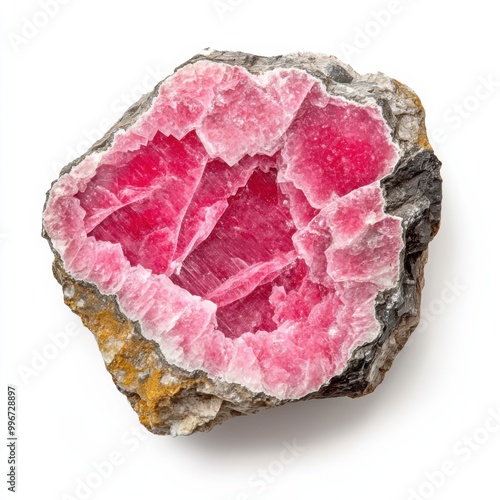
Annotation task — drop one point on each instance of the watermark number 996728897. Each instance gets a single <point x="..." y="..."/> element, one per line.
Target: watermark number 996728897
<point x="11" y="439"/>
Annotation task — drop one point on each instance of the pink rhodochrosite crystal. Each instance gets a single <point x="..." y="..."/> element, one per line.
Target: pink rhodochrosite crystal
<point x="239" y="222"/>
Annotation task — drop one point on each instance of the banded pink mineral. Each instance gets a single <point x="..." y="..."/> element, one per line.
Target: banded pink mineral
<point x="241" y="222"/>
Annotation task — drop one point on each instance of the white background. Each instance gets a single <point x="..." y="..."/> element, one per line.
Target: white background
<point x="69" y="79"/>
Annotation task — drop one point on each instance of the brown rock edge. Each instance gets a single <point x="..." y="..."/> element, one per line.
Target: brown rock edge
<point x="170" y="400"/>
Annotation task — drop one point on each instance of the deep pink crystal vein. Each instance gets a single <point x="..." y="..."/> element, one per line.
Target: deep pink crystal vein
<point x="240" y="220"/>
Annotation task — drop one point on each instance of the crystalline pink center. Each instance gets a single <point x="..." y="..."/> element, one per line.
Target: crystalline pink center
<point x="240" y="220"/>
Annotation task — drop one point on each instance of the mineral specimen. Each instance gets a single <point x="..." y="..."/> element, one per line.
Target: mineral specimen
<point x="252" y="232"/>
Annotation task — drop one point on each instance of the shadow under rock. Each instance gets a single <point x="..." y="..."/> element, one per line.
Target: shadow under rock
<point x="309" y="422"/>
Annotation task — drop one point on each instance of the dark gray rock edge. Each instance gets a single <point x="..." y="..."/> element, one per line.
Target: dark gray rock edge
<point x="412" y="192"/>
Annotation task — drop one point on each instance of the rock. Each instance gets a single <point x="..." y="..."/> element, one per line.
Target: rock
<point x="252" y="232"/>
